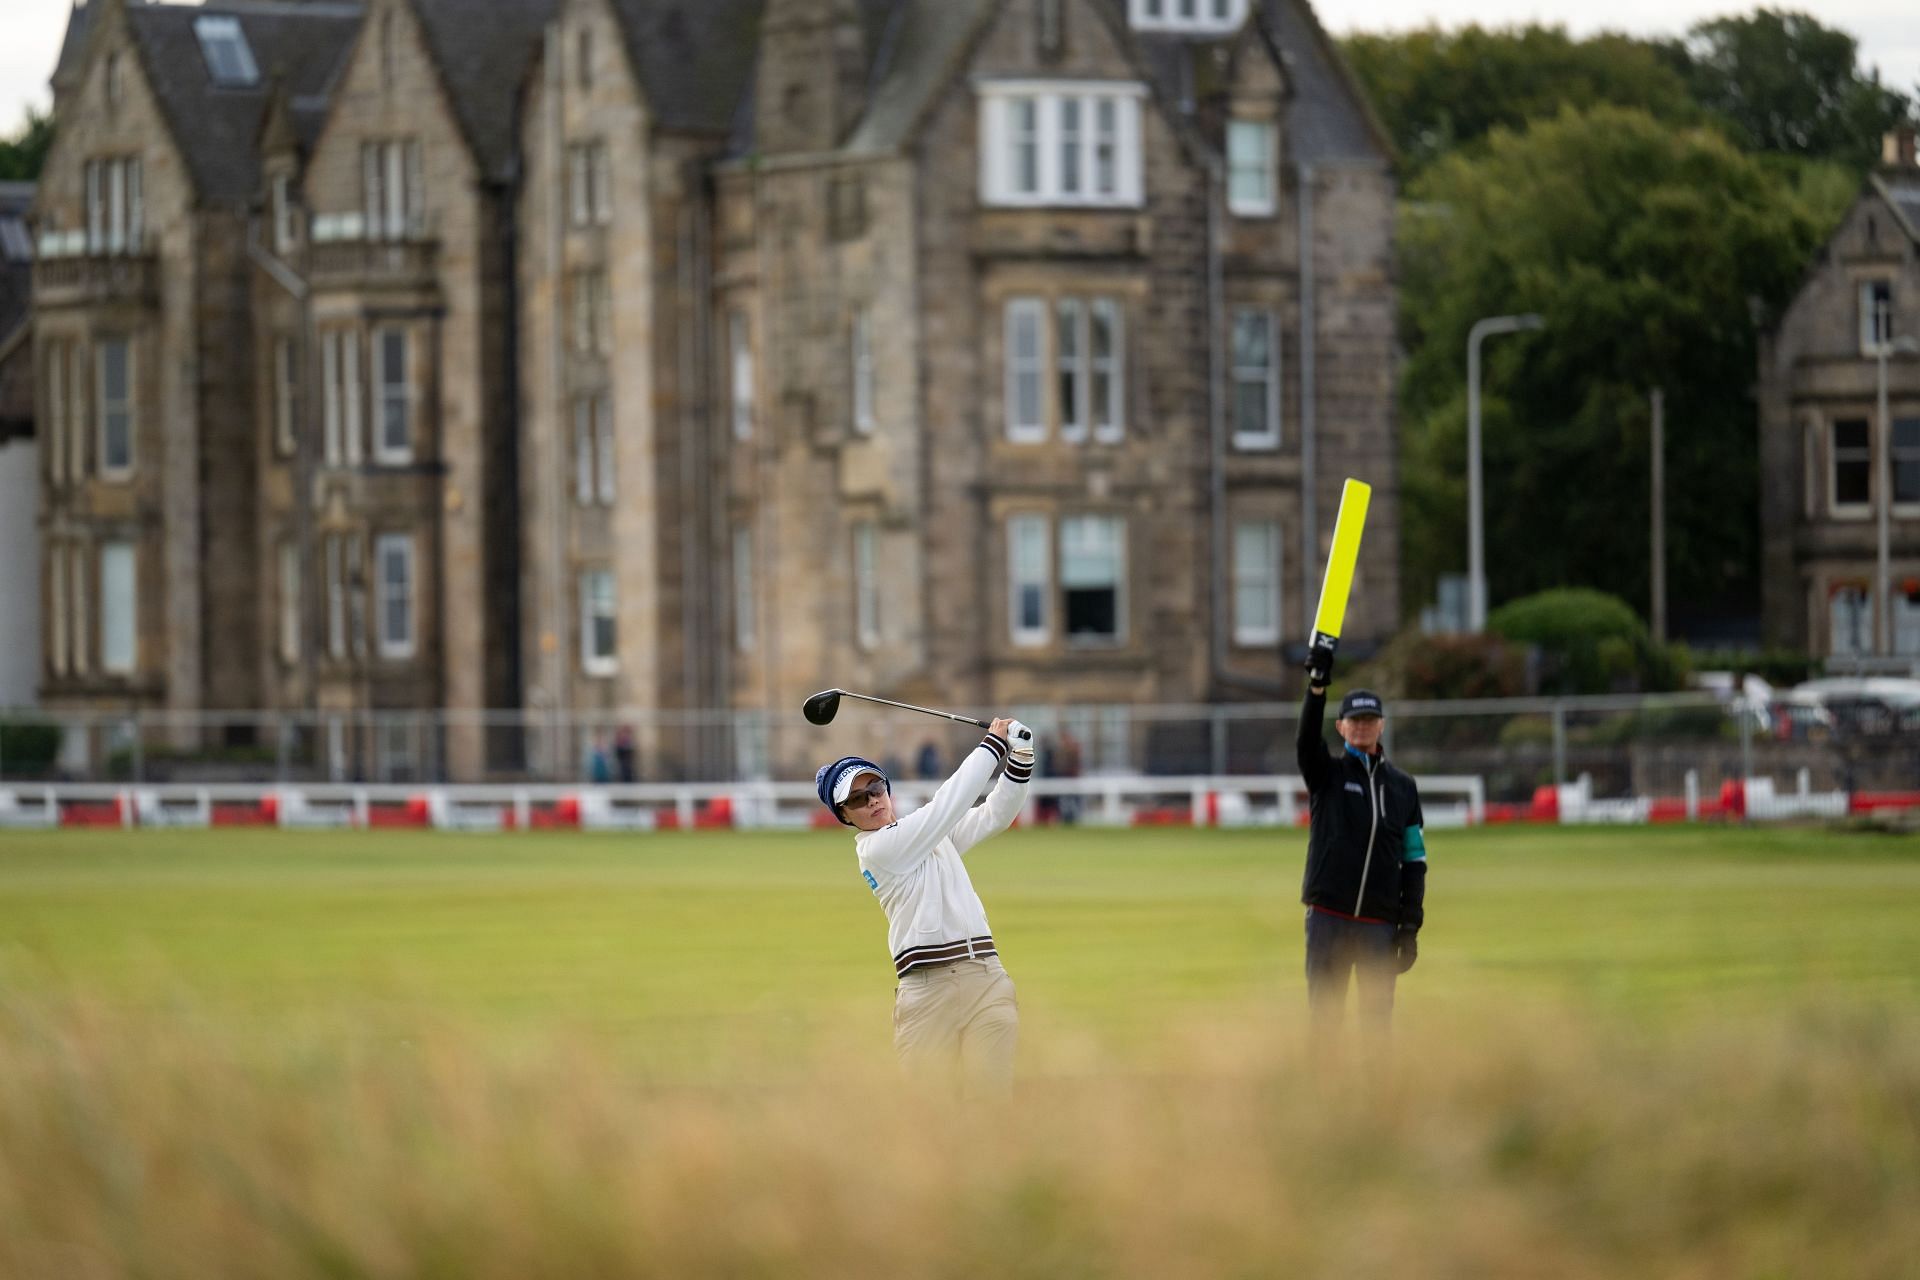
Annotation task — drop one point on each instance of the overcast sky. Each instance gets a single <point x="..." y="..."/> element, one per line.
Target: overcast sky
<point x="1888" y="30"/>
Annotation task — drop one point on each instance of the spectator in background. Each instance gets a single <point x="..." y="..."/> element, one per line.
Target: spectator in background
<point x="624" y="753"/>
<point x="928" y="764"/>
<point x="599" y="768"/>
<point x="1068" y="766"/>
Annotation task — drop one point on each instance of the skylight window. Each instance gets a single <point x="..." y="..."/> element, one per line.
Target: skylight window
<point x="224" y="45"/>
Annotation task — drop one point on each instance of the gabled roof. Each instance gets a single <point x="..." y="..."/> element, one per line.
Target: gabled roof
<point x="694" y="58"/>
<point x="1330" y="120"/>
<point x="483" y="49"/>
<point x="216" y="128"/>
<point x="920" y="49"/>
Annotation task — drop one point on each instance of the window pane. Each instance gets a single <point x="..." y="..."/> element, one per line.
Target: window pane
<point x="116" y="424"/>
<point x="603" y="422"/>
<point x="1849" y="622"/>
<point x="1028" y="571"/>
<point x="1106" y="118"/>
<point x="1906" y="460"/>
<point x="1256" y="582"/>
<point x="117" y="607"/>
<point x="598" y="623"/>
<point x="395" y="437"/>
<point x="1252" y="340"/>
<point x="1070" y="144"/>
<point x="1105" y="324"/>
<point x="1852" y="463"/>
<point x="1024" y="369"/>
<point x="395" y="558"/>
<point x="289" y="601"/>
<point x="1090" y="571"/>
<point x="1024" y="113"/>
<point x="743" y="619"/>
<point x="1071" y="367"/>
<point x="866" y="584"/>
<point x="740" y="344"/>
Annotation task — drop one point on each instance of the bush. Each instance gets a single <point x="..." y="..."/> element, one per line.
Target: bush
<point x="1420" y="666"/>
<point x="1590" y="642"/>
<point x="1782" y="668"/>
<point x="28" y="746"/>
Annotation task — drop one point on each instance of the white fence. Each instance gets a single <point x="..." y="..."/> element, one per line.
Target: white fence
<point x="1201" y="801"/>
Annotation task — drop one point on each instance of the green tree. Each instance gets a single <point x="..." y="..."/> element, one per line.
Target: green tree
<point x="1783" y="82"/>
<point x="1437" y="91"/>
<point x="1644" y="246"/>
<point x="22" y="155"/>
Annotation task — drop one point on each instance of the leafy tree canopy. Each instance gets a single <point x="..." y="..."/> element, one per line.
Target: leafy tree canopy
<point x="1645" y="247"/>
<point x="22" y="155"/>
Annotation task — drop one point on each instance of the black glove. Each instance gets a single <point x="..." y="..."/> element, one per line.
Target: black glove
<point x="1406" y="949"/>
<point x="1319" y="663"/>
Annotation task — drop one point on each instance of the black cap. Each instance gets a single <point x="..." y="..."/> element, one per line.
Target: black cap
<point x="1361" y="702"/>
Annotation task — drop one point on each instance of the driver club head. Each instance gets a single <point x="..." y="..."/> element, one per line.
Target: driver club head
<point x="822" y="706"/>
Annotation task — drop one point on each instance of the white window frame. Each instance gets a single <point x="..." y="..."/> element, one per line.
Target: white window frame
<point x="119" y="608"/>
<point x="1911" y="452"/>
<point x="1847" y="510"/>
<point x="289" y="601"/>
<point x="106" y="409"/>
<point x="1029" y="565"/>
<point x="395" y="394"/>
<point x="1117" y="526"/>
<point x="740" y="373"/>
<point x="1189" y="17"/>
<point x="1003" y="104"/>
<point x="392" y="189"/>
<point x="599" y="599"/>
<point x="861" y="344"/>
<point x="1265" y="578"/>
<point x="1019" y="311"/>
<point x="57" y="608"/>
<point x="744" y="623"/>
<point x="285" y="379"/>
<point x="866" y="585"/>
<point x="395" y="646"/>
<point x="1267" y="375"/>
<point x="1871" y="339"/>
<point x="1261" y="136"/>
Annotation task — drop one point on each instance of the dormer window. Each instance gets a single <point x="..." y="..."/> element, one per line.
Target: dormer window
<point x="1061" y="142"/>
<point x="1189" y="17"/>
<point x="229" y="58"/>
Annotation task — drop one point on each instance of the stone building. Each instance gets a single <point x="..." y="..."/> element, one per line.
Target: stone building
<point x="19" y="469"/>
<point x="1828" y="461"/>
<point x="619" y="356"/>
<point x="997" y="353"/>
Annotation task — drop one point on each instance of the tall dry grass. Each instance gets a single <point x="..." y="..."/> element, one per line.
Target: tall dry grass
<point x="1483" y="1144"/>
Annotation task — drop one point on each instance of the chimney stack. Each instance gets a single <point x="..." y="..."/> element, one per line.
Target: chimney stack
<point x="812" y="80"/>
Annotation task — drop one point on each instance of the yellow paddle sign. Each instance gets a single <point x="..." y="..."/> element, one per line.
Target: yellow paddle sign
<point x="1335" y="587"/>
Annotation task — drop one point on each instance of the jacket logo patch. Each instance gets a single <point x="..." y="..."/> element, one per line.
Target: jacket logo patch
<point x="871" y="882"/>
<point x="1356" y="788"/>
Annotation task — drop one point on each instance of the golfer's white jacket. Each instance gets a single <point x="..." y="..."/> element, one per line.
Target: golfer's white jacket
<point x="914" y="866"/>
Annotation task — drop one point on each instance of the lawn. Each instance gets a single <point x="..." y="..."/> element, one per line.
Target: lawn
<point x="1673" y="1051"/>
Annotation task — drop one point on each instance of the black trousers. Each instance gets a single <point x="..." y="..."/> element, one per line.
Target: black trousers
<point x="1337" y="949"/>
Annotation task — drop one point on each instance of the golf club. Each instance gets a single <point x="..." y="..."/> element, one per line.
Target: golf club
<point x="823" y="706"/>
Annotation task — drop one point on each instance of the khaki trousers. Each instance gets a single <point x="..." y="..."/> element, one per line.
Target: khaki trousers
<point x="958" y="1023"/>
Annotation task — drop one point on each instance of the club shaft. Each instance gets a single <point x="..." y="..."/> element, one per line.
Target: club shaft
<point x="908" y="706"/>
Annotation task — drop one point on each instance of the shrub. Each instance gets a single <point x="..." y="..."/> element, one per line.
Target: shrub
<point x="28" y="746"/>
<point x="1420" y="666"/>
<point x="1589" y="642"/>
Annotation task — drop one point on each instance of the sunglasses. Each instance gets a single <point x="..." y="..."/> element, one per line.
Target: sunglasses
<point x="865" y="795"/>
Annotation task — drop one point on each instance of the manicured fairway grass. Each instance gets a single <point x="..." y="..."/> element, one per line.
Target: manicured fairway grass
<point x="696" y="940"/>
<point x="1676" y="1052"/>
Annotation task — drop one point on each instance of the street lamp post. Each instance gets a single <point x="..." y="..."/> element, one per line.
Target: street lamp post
<point x="1476" y="533"/>
<point x="1883" y="486"/>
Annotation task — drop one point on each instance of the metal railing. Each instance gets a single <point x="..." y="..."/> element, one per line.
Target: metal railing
<point x="1622" y="746"/>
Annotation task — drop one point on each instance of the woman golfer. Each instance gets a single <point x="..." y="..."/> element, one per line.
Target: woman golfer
<point x="954" y="1012"/>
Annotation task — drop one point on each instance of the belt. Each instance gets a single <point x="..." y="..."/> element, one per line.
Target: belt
<point x="944" y="953"/>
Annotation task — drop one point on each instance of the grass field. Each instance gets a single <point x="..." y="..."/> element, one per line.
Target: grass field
<point x="1687" y="1052"/>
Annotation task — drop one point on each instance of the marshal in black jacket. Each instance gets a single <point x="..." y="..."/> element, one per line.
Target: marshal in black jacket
<point x="1366" y="853"/>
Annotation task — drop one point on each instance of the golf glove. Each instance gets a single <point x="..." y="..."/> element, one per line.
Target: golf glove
<point x="1022" y="742"/>
<point x="1406" y="949"/>
<point x="1320" y="664"/>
